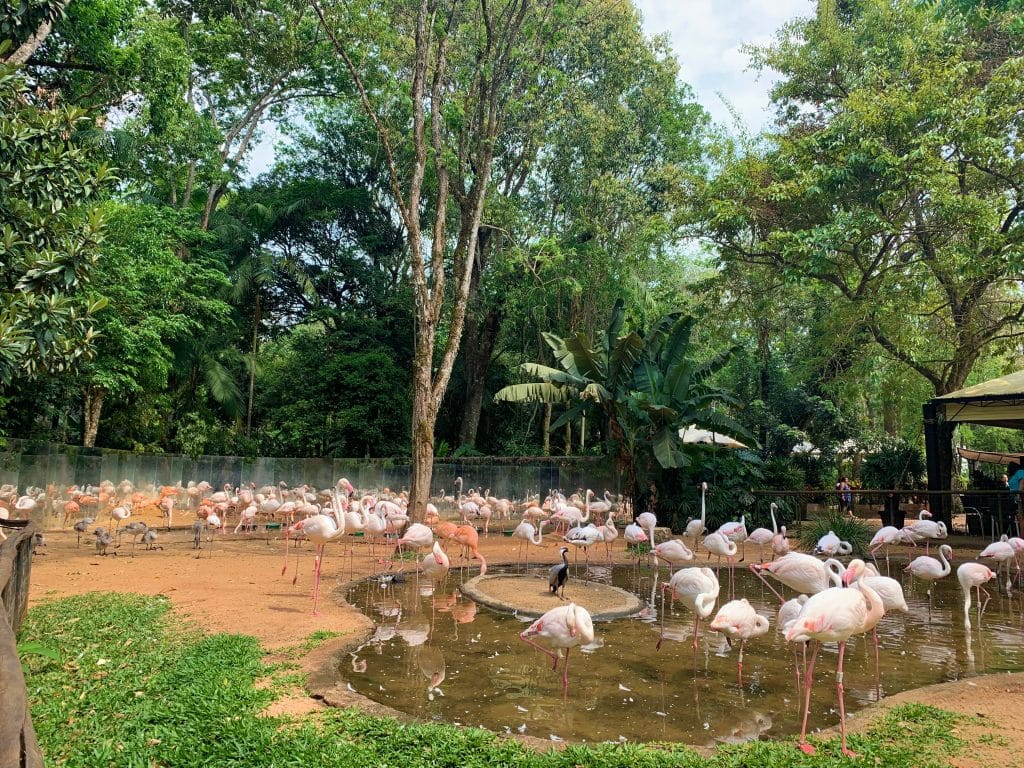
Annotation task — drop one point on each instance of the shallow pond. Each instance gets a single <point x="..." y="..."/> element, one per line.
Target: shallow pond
<point x="625" y="689"/>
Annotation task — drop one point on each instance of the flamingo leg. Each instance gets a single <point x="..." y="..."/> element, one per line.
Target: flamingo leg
<point x="316" y="575"/>
<point x="298" y="550"/>
<point x="739" y="664"/>
<point x="542" y="649"/>
<point x="696" y="626"/>
<point x="808" y="681"/>
<point x="842" y="704"/>
<point x="565" y="675"/>
<point x="878" y="673"/>
<point x="757" y="573"/>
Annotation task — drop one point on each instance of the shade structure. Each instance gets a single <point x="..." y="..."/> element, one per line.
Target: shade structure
<point x="693" y="435"/>
<point x="997" y="402"/>
<point x="990" y="457"/>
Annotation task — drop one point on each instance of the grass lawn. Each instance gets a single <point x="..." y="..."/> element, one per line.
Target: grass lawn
<point x="136" y="686"/>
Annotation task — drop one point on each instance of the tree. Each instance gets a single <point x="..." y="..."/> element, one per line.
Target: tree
<point x="646" y="387"/>
<point x="155" y="302"/>
<point x="50" y="229"/>
<point x="438" y="85"/>
<point x="895" y="182"/>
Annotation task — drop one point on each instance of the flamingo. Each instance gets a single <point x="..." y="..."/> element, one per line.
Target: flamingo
<point x="780" y="544"/>
<point x="1002" y="552"/>
<point x="830" y="545"/>
<point x="762" y="537"/>
<point x="584" y="537"/>
<point x="598" y="508"/>
<point x="735" y="532"/>
<point x="737" y="619"/>
<point x="435" y="564"/>
<point x="467" y="536"/>
<point x="799" y="572"/>
<point x="319" y="529"/>
<point x="930" y="569"/>
<point x="697" y="589"/>
<point x="609" y="533"/>
<point x="925" y="529"/>
<point x="972" y="576"/>
<point x="567" y="627"/>
<point x="103" y="540"/>
<point x="416" y="537"/>
<point x="673" y="552"/>
<point x="717" y="544"/>
<point x="528" y="535"/>
<point x="695" y="528"/>
<point x="648" y="522"/>
<point x="835" y="615"/>
<point x="121" y="514"/>
<point x="82" y="526"/>
<point x="788" y="612"/>
<point x="635" y="536"/>
<point x="886" y="536"/>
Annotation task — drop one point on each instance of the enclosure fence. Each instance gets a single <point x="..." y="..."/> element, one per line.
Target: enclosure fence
<point x="53" y="468"/>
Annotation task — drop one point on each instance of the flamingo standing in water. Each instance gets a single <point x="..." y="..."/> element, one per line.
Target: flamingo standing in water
<point x="635" y="536"/>
<point x="1002" y="552"/>
<point x="834" y="616"/>
<point x="435" y="564"/>
<point x="887" y="536"/>
<point x="697" y="589"/>
<point x="802" y="573"/>
<point x="735" y="532"/>
<point x="717" y="544"/>
<point x="566" y="627"/>
<point x="319" y="529"/>
<point x="737" y="619"/>
<point x="930" y="569"/>
<point x="673" y="552"/>
<point x="972" y="576"/>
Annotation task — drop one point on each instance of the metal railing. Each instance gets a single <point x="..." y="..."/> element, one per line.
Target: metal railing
<point x="976" y="512"/>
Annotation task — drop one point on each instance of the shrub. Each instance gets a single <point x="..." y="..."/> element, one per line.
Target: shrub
<point x="850" y="529"/>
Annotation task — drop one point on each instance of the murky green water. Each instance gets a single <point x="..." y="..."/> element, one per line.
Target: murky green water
<point x="624" y="689"/>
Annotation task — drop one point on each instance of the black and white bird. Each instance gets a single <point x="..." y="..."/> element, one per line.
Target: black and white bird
<point x="559" y="574"/>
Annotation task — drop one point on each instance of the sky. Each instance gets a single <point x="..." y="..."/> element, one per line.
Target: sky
<point x="707" y="36"/>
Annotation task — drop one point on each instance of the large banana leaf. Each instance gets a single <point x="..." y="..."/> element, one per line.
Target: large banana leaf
<point x="625" y="355"/>
<point x="588" y="361"/>
<point x="535" y="392"/>
<point x="552" y="375"/>
<point x="614" y="326"/>
<point x="678" y="344"/>
<point x="597" y="392"/>
<point x="572" y="414"/>
<point x="666" y="448"/>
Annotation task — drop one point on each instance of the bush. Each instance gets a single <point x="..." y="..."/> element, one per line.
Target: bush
<point x="855" y="531"/>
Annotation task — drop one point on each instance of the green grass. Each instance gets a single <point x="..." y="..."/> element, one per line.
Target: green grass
<point x="137" y="687"/>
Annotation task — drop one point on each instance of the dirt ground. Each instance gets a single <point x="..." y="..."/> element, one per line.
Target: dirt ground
<point x="236" y="585"/>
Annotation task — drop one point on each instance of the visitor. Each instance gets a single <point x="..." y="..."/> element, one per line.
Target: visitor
<point x="845" y="496"/>
<point x="1014" y="486"/>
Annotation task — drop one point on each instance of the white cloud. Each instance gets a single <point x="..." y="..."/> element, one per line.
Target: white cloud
<point x="707" y="36"/>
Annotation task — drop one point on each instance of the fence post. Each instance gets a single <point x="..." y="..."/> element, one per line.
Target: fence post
<point x="18" y="746"/>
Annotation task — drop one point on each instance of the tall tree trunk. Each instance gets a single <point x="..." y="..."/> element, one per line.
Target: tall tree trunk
<point x="424" y="417"/>
<point x="546" y="430"/>
<point x="92" y="407"/>
<point x="478" y="347"/>
<point x="252" y="365"/>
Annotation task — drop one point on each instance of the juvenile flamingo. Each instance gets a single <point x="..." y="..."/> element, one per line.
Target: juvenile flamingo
<point x="565" y="627"/>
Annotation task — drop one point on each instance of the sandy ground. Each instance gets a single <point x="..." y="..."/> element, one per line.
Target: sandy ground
<point x="236" y="585"/>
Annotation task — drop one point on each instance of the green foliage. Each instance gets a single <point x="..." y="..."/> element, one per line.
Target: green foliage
<point x="50" y="229"/>
<point x="847" y="528"/>
<point x="895" y="464"/>
<point x="141" y="689"/>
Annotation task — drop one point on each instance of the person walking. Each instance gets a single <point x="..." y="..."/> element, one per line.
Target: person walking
<point x="845" y="492"/>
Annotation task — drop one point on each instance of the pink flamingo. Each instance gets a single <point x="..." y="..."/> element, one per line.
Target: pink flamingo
<point x="695" y="528"/>
<point x="697" y="589"/>
<point x="435" y="564"/>
<point x="780" y="543"/>
<point x="609" y="533"/>
<point x="1002" y="552"/>
<point x="800" y="572"/>
<point x="886" y="536"/>
<point x="528" y="535"/>
<point x="417" y="536"/>
<point x="717" y="544"/>
<point x="762" y="537"/>
<point x="835" y="615"/>
<point x="735" y="532"/>
<point x="319" y="529"/>
<point x="972" y="576"/>
<point x="737" y="619"/>
<point x="634" y="536"/>
<point x="673" y="552"/>
<point x="467" y="536"/>
<point x="567" y="626"/>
